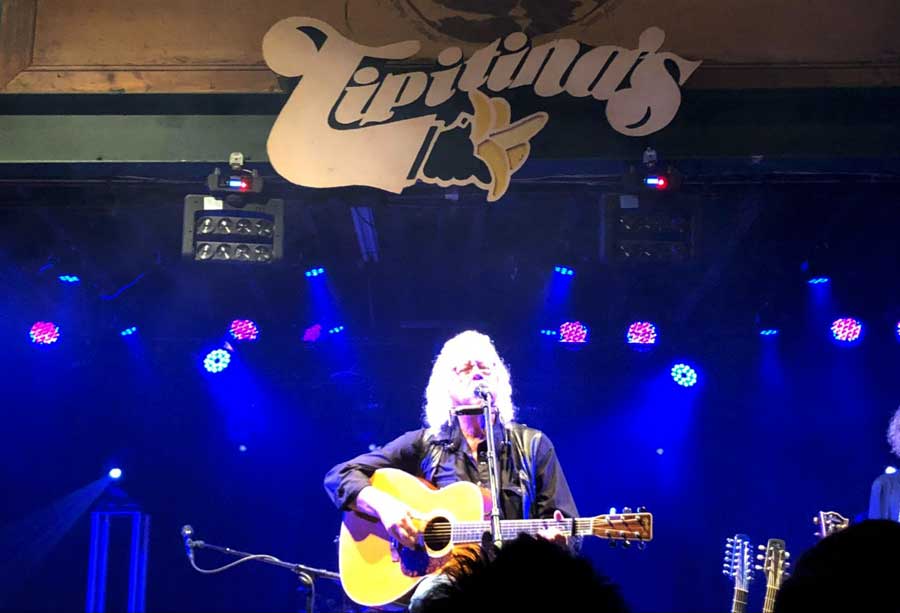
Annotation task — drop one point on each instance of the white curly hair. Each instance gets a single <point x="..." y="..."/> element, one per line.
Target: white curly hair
<point x="466" y="346"/>
<point x="893" y="432"/>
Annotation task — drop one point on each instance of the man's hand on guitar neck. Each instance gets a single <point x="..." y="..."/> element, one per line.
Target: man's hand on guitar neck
<point x="400" y="521"/>
<point x="555" y="534"/>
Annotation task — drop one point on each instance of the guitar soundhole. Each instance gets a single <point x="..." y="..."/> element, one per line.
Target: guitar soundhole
<point x="437" y="533"/>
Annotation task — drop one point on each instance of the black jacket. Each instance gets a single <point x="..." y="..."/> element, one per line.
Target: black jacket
<point x="532" y="483"/>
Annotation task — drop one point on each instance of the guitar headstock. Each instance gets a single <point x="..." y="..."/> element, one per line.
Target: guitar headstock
<point x="774" y="562"/>
<point x="829" y="522"/>
<point x="626" y="527"/>
<point x="738" y="564"/>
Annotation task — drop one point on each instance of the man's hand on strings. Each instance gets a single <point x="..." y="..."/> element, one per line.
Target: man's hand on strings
<point x="555" y="534"/>
<point x="401" y="523"/>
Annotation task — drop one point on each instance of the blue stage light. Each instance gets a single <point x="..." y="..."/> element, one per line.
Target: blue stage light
<point x="684" y="375"/>
<point x="818" y="280"/>
<point x="128" y="331"/>
<point x="564" y="271"/>
<point x="768" y="332"/>
<point x="71" y="279"/>
<point x="336" y="330"/>
<point x="547" y="332"/>
<point x="890" y="470"/>
<point x="217" y="360"/>
<point x="115" y="473"/>
<point x="314" y="272"/>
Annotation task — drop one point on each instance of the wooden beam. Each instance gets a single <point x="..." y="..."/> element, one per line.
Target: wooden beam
<point x="17" y="19"/>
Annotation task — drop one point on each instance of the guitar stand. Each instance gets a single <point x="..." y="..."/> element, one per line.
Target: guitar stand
<point x="307" y="575"/>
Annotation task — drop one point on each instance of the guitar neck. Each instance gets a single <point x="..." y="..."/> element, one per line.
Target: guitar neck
<point x="739" y="602"/>
<point x="473" y="531"/>
<point x="769" y="602"/>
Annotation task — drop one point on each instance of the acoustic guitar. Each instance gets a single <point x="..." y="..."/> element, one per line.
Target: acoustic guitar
<point x="774" y="565"/>
<point x="829" y="522"/>
<point x="738" y="566"/>
<point x="376" y="570"/>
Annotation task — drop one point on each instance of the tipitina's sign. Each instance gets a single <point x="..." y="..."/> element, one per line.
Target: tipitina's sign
<point x="351" y="122"/>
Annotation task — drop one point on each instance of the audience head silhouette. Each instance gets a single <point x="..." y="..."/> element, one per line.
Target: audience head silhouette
<point x="525" y="574"/>
<point x="850" y="570"/>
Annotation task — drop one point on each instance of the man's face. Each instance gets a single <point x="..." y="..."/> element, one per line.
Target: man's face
<point x="467" y="375"/>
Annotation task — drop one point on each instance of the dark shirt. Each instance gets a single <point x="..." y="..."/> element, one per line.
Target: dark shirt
<point x="528" y="489"/>
<point x="884" y="500"/>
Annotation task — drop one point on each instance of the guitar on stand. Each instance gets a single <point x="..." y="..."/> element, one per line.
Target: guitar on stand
<point x="376" y="570"/>
<point x="775" y="565"/>
<point x="739" y="568"/>
<point x="829" y="522"/>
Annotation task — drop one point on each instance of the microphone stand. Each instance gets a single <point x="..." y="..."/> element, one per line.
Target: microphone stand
<point x="492" y="470"/>
<point x="306" y="574"/>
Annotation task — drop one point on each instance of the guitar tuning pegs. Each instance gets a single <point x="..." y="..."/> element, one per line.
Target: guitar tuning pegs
<point x="761" y="547"/>
<point x="626" y="544"/>
<point x="760" y="557"/>
<point x="612" y="543"/>
<point x="641" y="545"/>
<point x="626" y="510"/>
<point x="642" y="509"/>
<point x="787" y="554"/>
<point x="729" y="546"/>
<point x="757" y="567"/>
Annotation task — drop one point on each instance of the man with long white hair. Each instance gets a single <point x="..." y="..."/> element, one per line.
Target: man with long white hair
<point x="452" y="447"/>
<point x="884" y="499"/>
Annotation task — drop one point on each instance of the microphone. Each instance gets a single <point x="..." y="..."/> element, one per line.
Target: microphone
<point x="482" y="391"/>
<point x="186" y="533"/>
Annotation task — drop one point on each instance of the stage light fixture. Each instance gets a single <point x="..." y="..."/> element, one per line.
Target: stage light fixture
<point x="44" y="333"/>
<point x="573" y="332"/>
<point x="565" y="271"/>
<point x="650" y="175"/>
<point x="768" y="332"/>
<point x="217" y="360"/>
<point x="548" y="332"/>
<point x="232" y="230"/>
<point x="846" y="329"/>
<point x="641" y="333"/>
<point x="115" y="473"/>
<point x="243" y="330"/>
<point x="236" y="178"/>
<point x="644" y="230"/>
<point x="128" y="331"/>
<point x="658" y="182"/>
<point x="70" y="279"/>
<point x="684" y="375"/>
<point x="336" y="330"/>
<point x="314" y="272"/>
<point x="818" y="280"/>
